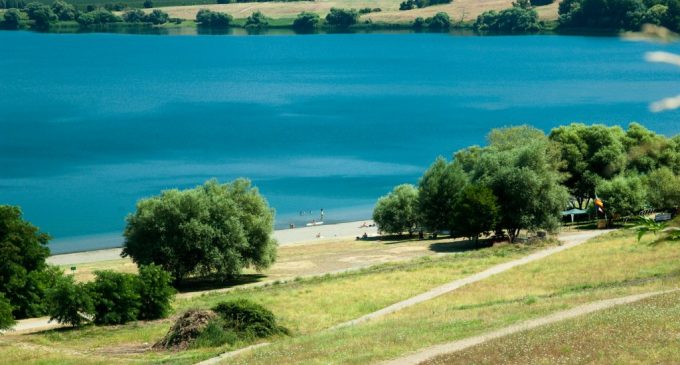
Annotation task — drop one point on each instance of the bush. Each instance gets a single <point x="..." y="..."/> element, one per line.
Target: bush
<point x="155" y="292"/>
<point x="6" y="318"/>
<point x="148" y="4"/>
<point x="248" y="318"/>
<point x="41" y="14"/>
<point x="306" y="22"/>
<point x="412" y="4"/>
<point x="69" y="303"/>
<point x="98" y="17"/>
<point x="115" y="297"/>
<point x="11" y="19"/>
<point x="187" y="329"/>
<point x="342" y="18"/>
<point x="214" y="229"/>
<point x="134" y="16"/>
<point x="214" y="334"/>
<point x="207" y="18"/>
<point x="64" y="11"/>
<point x="439" y="22"/>
<point x="608" y="14"/>
<point x="24" y="275"/>
<point x="397" y="212"/>
<point x="541" y="2"/>
<point x="257" y="20"/>
<point x="512" y="20"/>
<point x="156" y="17"/>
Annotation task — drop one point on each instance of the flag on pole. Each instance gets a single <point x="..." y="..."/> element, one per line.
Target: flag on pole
<point x="599" y="204"/>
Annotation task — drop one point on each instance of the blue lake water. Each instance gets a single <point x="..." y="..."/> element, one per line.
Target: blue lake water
<point x="90" y="123"/>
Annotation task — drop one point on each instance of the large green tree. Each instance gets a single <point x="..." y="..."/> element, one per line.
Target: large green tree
<point x="24" y="275"/>
<point x="663" y="189"/>
<point x="214" y="229"/>
<point x="438" y="192"/>
<point x="477" y="211"/>
<point x="397" y="212"/>
<point x="623" y="196"/>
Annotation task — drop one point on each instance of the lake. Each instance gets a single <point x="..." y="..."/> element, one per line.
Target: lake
<point x="90" y="123"/>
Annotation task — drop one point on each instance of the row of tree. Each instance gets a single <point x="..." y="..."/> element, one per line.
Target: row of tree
<point x="619" y="14"/>
<point x="413" y="4"/>
<point x="523" y="179"/>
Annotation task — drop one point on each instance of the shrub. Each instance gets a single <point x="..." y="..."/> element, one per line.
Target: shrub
<point x="6" y="318"/>
<point x="214" y="229"/>
<point x="155" y="292"/>
<point x="64" y="11"/>
<point x="115" y="297"/>
<point x="11" y="19"/>
<point x="342" y="18"/>
<point x="156" y="17"/>
<point x="306" y="22"/>
<point x="541" y="2"/>
<point x="512" y="20"/>
<point x="440" y="22"/>
<point x="186" y="329"/>
<point x="98" y="17"/>
<point x="208" y="18"/>
<point x="69" y="303"/>
<point x="257" y="20"/>
<point x="248" y="318"/>
<point x="214" y="334"/>
<point x="148" y="4"/>
<point x="134" y="16"/>
<point x="412" y="4"/>
<point x="41" y="14"/>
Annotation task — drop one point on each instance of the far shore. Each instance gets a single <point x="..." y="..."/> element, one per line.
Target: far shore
<point x="294" y="236"/>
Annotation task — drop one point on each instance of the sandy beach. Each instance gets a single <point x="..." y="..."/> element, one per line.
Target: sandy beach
<point x="302" y="235"/>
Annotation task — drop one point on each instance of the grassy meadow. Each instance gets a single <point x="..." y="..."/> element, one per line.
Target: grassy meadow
<point x="609" y="266"/>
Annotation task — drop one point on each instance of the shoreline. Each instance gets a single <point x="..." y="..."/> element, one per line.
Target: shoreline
<point x="285" y="237"/>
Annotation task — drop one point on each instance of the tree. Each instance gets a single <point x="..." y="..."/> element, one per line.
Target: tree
<point x="590" y="154"/>
<point x="647" y="151"/>
<point x="214" y="229"/>
<point x="517" y="19"/>
<point x="306" y="22"/>
<point x="6" y="318"/>
<point x="115" y="297"/>
<point x="607" y="14"/>
<point x="439" y="22"/>
<point x="156" y="16"/>
<point x="541" y="2"/>
<point x="257" y="20"/>
<point x="11" y="19"/>
<point x="134" y="16"/>
<point x="207" y="18"/>
<point x="148" y="4"/>
<point x="623" y="196"/>
<point x="398" y="211"/>
<point x="155" y="292"/>
<point x="69" y="303"/>
<point x="520" y="165"/>
<point x="342" y="18"/>
<point x="41" y="14"/>
<point x="64" y="11"/>
<point x="438" y="192"/>
<point x="477" y="211"/>
<point x="98" y="17"/>
<point x="23" y="271"/>
<point x="663" y="189"/>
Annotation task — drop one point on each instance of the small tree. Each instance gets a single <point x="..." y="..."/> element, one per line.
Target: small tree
<point x="6" y="318"/>
<point x="155" y="292"/>
<point x="156" y="17"/>
<point x="438" y="192"/>
<point x="439" y="22"/>
<point x="148" y="4"/>
<point x="207" y="18"/>
<point x="306" y="22"/>
<point x="477" y="211"/>
<point x="342" y="18"/>
<point x="257" y="20"/>
<point x="397" y="212"/>
<point x="69" y="303"/>
<point x="115" y="297"/>
<point x="214" y="229"/>
<point x="11" y="19"/>
<point x="663" y="189"/>
<point x="623" y="196"/>
<point x="41" y="14"/>
<point x="64" y="11"/>
<point x="134" y="16"/>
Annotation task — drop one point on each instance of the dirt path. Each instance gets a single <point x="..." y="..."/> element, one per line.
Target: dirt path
<point x="459" y="345"/>
<point x="568" y="240"/>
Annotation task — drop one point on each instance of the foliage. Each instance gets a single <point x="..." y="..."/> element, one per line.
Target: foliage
<point x="24" y="274"/>
<point x="342" y="18"/>
<point x="477" y="211"/>
<point x="517" y="19"/>
<point x="156" y="17"/>
<point x="155" y="292"/>
<point x="187" y="329"/>
<point x="646" y="225"/>
<point x="148" y="4"/>
<point x="663" y="189"/>
<point x="591" y="154"/>
<point x="69" y="303"/>
<point x="647" y="151"/>
<point x="64" y="11"/>
<point x="11" y="19"/>
<point x="520" y="166"/>
<point x="623" y="195"/>
<point x="98" y="17"/>
<point x="248" y="318"/>
<point x="6" y="318"/>
<point x="257" y="20"/>
<point x="212" y="229"/>
<point x="608" y="14"/>
<point x="115" y="297"/>
<point x="412" y="4"/>
<point x="438" y="192"/>
<point x="306" y="22"/>
<point x="216" y="19"/>
<point x="41" y="14"/>
<point x="541" y="2"/>
<point x="134" y="16"/>
<point x="12" y="4"/>
<point x="439" y="22"/>
<point x="398" y="211"/>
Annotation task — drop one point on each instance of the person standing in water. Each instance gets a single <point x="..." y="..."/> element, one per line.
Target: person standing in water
<point x="321" y="215"/>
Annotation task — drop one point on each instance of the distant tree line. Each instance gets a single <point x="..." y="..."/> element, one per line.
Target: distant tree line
<point x="520" y="18"/>
<point x="523" y="179"/>
<point x="416" y="4"/>
<point x="619" y="14"/>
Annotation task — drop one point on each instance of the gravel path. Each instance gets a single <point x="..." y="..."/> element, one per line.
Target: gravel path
<point x="459" y="345"/>
<point x="569" y="241"/>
